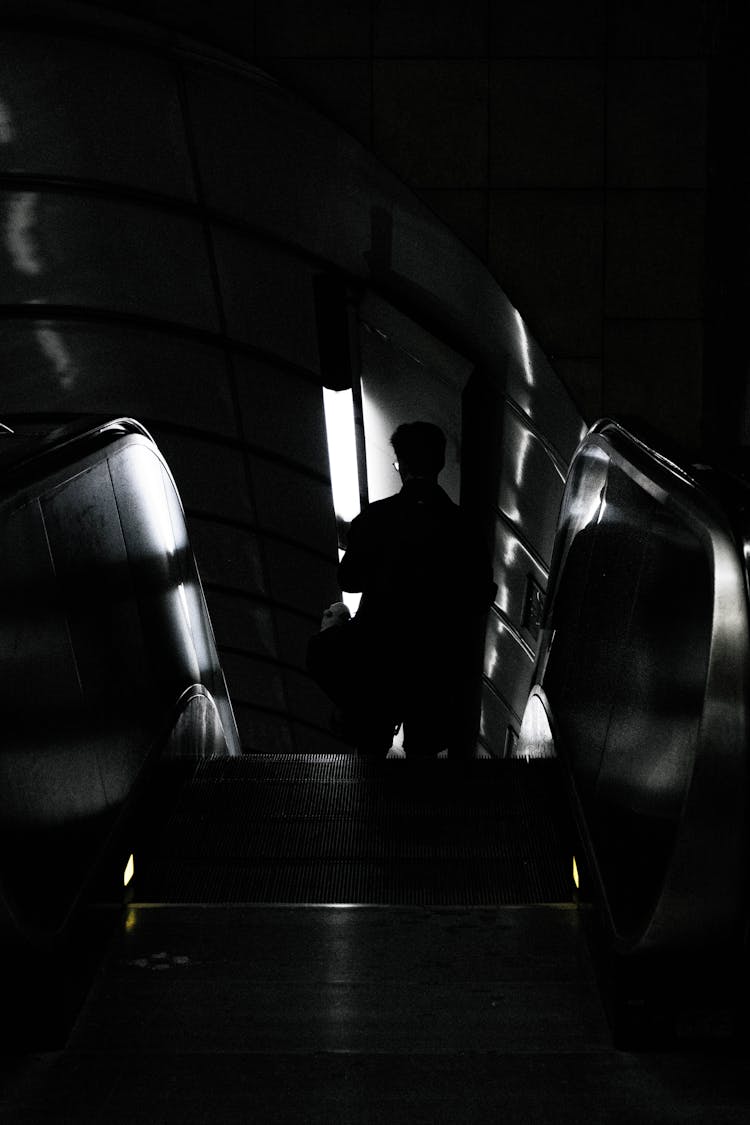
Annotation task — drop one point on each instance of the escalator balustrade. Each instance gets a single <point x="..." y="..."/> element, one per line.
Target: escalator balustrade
<point x="641" y="681"/>
<point x="108" y="659"/>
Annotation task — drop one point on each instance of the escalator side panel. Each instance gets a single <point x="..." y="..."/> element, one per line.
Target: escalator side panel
<point x="106" y="643"/>
<point x="643" y="670"/>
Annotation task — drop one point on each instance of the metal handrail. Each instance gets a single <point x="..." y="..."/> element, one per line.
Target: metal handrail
<point x="701" y="894"/>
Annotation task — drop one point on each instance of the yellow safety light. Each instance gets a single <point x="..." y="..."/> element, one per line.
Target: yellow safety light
<point x="576" y="878"/>
<point x="129" y="871"/>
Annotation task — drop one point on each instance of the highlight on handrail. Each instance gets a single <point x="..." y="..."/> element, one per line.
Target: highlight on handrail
<point x="641" y="688"/>
<point x="108" y="663"/>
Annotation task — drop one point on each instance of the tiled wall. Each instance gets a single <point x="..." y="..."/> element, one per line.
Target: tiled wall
<point x="588" y="152"/>
<point x="564" y="143"/>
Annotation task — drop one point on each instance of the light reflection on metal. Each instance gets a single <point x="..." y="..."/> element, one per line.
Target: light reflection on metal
<point x="54" y="348"/>
<point x="131" y="920"/>
<point x="511" y="550"/>
<point x="19" y="225"/>
<point x="522" y="457"/>
<point x="342" y="452"/>
<point x="502" y="598"/>
<point x="156" y="513"/>
<point x="191" y="603"/>
<point x="588" y="509"/>
<point x="6" y="124"/>
<point x="576" y="877"/>
<point x="183" y="602"/>
<point x="129" y="871"/>
<point x="535" y="738"/>
<point x="588" y="505"/>
<point x="523" y="340"/>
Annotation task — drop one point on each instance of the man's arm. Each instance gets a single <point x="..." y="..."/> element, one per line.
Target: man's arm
<point x="355" y="565"/>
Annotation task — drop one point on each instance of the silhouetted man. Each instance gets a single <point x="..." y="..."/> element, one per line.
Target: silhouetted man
<point x="426" y="582"/>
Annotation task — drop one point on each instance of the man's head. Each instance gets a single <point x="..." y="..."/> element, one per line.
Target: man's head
<point x="420" y="449"/>
<point x="336" y="614"/>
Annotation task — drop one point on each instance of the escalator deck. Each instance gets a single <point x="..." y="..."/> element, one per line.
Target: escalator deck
<point x="339" y="829"/>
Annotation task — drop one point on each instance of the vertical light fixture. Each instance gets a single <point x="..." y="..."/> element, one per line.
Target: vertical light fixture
<point x="129" y="871"/>
<point x="342" y="459"/>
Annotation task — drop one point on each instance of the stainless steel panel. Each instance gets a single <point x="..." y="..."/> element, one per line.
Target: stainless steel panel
<point x="307" y="701"/>
<point x="644" y="667"/>
<point x="496" y="721"/>
<point x="271" y="138"/>
<point x="294" y="630"/>
<point x="33" y="626"/>
<point x="95" y="586"/>
<point x="299" y="579"/>
<point x="228" y="556"/>
<point x="508" y="664"/>
<point x="253" y="682"/>
<point x="531" y="486"/>
<point x="514" y="566"/>
<point x="538" y="391"/>
<point x="242" y="623"/>
<point x="632" y="621"/>
<point x="262" y="732"/>
<point x="267" y="293"/>
<point x="282" y="412"/>
<point x="102" y="253"/>
<point x="58" y="365"/>
<point x="294" y="505"/>
<point x="158" y="557"/>
<point x="211" y="477"/>
<point x="71" y="107"/>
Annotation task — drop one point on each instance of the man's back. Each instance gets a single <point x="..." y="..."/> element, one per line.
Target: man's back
<point x="426" y="581"/>
<point x="418" y="561"/>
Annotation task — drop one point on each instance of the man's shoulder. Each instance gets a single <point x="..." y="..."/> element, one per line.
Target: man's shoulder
<point x="377" y="509"/>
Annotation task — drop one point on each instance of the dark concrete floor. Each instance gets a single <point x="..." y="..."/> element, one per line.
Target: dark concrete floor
<point x="364" y="1014"/>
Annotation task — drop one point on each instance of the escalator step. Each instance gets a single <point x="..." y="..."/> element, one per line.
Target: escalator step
<point x="312" y="829"/>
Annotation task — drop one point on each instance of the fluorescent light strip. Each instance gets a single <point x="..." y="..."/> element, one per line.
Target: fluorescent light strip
<point x="342" y="458"/>
<point x="342" y="452"/>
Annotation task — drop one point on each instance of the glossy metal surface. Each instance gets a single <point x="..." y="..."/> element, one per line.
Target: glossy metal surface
<point x="508" y="663"/>
<point x="157" y="258"/>
<point x="644" y="670"/>
<point x="106" y="649"/>
<point x="101" y="253"/>
<point x="85" y="367"/>
<point x="97" y="118"/>
<point x="530" y="475"/>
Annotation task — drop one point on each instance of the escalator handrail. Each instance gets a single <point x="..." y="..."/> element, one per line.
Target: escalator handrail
<point x="60" y="447"/>
<point x="706" y="866"/>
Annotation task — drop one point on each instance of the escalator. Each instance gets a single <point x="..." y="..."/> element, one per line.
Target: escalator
<point x="109" y="670"/>
<point x="641" y="693"/>
<point x="338" y="829"/>
<point x="636" y="722"/>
